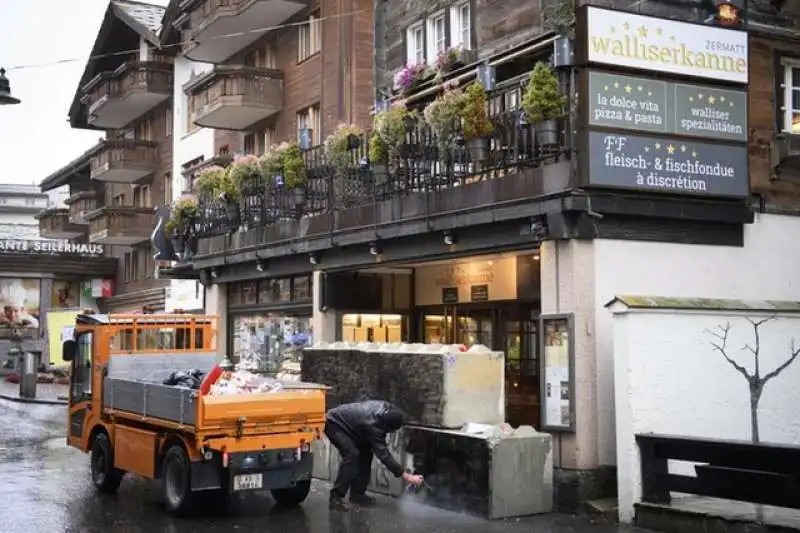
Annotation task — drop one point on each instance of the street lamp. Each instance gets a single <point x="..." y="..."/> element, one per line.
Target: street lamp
<point x="5" y="90"/>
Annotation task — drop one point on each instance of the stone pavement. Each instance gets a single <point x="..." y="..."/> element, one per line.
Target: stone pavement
<point x="48" y="489"/>
<point x="46" y="393"/>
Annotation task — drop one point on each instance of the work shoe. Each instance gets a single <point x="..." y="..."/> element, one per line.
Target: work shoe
<point x="338" y="504"/>
<point x="362" y="500"/>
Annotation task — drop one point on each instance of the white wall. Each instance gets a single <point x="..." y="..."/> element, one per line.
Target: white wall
<point x="671" y="380"/>
<point x="765" y="268"/>
<point x="186" y="146"/>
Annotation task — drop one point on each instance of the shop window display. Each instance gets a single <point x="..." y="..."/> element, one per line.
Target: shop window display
<point x="271" y="343"/>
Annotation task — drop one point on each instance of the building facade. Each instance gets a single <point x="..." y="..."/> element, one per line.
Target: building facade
<point x="125" y="94"/>
<point x="41" y="273"/>
<point x="521" y="245"/>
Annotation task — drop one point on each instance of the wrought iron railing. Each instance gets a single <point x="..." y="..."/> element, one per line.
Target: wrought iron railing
<point x="423" y="165"/>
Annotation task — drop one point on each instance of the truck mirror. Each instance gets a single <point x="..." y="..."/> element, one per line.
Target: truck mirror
<point x="68" y="350"/>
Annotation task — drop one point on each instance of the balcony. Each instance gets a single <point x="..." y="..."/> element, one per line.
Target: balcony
<point x="235" y="98"/>
<point x="120" y="225"/>
<point x="117" y="98"/>
<point x="79" y="204"/>
<point x="427" y="177"/>
<point x="54" y="223"/>
<point x="124" y="161"/>
<point x="206" y="21"/>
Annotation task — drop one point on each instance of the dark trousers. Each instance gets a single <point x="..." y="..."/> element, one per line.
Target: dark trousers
<point x="355" y="467"/>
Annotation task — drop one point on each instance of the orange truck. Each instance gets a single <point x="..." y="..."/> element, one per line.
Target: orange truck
<point x="200" y="445"/>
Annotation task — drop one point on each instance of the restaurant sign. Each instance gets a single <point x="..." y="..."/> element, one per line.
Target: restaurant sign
<point x="626" y="102"/>
<point x="634" y="41"/>
<point x="667" y="165"/>
<point x="50" y="247"/>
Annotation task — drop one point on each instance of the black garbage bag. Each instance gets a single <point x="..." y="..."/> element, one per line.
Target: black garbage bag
<point x="191" y="378"/>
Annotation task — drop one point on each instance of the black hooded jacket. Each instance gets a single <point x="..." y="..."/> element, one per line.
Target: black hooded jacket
<point x="367" y="423"/>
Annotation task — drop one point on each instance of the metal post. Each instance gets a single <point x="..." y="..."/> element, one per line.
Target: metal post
<point x="26" y="363"/>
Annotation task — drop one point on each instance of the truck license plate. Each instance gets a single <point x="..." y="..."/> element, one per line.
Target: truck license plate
<point x="248" y="482"/>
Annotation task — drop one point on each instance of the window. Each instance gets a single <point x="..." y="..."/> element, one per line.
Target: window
<point x="789" y="116"/>
<point x="168" y="120"/>
<point x="127" y="267"/>
<point x="415" y="41"/>
<point x="309" y="119"/>
<point x="144" y="130"/>
<point x="118" y="200"/>
<point x="81" y="375"/>
<point x="250" y="143"/>
<point x="461" y="27"/>
<point x="263" y="57"/>
<point x="309" y="37"/>
<point x="189" y="176"/>
<point x="142" y="197"/>
<point x="167" y="188"/>
<point x="269" y="138"/>
<point x="436" y="37"/>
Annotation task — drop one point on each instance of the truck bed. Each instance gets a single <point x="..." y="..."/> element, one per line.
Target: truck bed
<point x="134" y="385"/>
<point x="295" y="403"/>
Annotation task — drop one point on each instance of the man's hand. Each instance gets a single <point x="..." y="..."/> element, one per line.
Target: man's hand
<point x="414" y="479"/>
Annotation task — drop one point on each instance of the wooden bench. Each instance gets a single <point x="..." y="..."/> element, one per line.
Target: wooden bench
<point x="767" y="474"/>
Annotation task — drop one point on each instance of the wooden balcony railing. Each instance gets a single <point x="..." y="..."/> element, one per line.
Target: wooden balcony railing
<point x="54" y="223"/>
<point x="214" y="30"/>
<point x="235" y="97"/>
<point x="124" y="161"/>
<point x="130" y="77"/>
<point x="80" y="203"/>
<point x="120" y="225"/>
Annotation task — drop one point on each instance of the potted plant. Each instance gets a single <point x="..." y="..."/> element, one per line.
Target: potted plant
<point x="410" y="77"/>
<point x="339" y="147"/>
<point x="243" y="168"/>
<point x="182" y="215"/>
<point x="215" y="183"/>
<point x="542" y="103"/>
<point x="452" y="58"/>
<point x="559" y="17"/>
<point x="443" y="115"/>
<point x="389" y="132"/>
<point x="285" y="165"/>
<point x="476" y="123"/>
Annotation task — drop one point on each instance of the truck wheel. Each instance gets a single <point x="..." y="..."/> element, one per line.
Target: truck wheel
<point x="292" y="496"/>
<point x="104" y="476"/>
<point x="178" y="494"/>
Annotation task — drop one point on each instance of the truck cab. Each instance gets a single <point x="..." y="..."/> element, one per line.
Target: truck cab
<point x="195" y="441"/>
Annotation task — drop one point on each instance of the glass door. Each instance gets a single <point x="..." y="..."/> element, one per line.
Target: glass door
<point x="522" y="366"/>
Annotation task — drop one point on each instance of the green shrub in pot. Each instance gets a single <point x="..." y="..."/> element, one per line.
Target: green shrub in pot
<point x="542" y="103"/>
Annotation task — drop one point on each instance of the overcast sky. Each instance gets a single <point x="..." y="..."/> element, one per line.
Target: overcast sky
<point x="35" y="137"/>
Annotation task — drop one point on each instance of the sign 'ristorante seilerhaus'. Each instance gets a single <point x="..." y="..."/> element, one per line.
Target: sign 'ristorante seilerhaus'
<point x="667" y="165"/>
<point x="626" y="102"/>
<point x="50" y="247"/>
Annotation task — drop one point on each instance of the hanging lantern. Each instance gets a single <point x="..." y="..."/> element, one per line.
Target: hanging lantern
<point x="728" y="12"/>
<point x="5" y="90"/>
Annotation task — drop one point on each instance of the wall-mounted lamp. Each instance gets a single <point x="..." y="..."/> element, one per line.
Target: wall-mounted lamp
<point x="214" y="273"/>
<point x="374" y="249"/>
<point x="536" y="255"/>
<point x="5" y="90"/>
<point x="261" y="266"/>
<point x="312" y="258"/>
<point x="539" y="230"/>
<point x="449" y="238"/>
<point x="729" y="12"/>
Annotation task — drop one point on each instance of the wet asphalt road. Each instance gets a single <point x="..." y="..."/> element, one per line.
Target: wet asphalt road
<point x="45" y="487"/>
